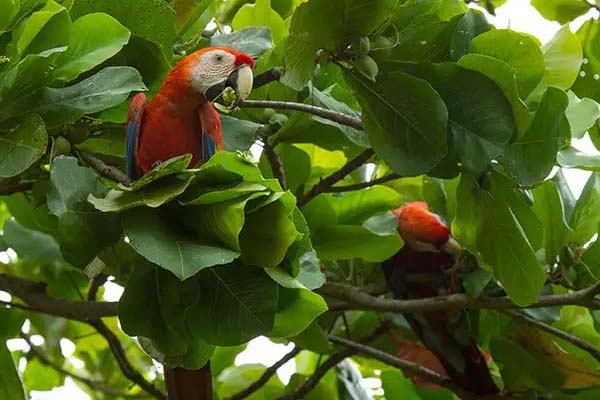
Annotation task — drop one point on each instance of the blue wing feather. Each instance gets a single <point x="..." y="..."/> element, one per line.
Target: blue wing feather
<point x="209" y="147"/>
<point x="134" y="123"/>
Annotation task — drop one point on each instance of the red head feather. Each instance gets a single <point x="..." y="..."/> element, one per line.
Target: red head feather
<point x="417" y="224"/>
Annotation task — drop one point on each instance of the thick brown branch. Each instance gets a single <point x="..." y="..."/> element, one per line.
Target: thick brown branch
<point x="582" y="344"/>
<point x="92" y="384"/>
<point x="270" y="75"/>
<point x="10" y="186"/>
<point x="335" y="177"/>
<point x="331" y="362"/>
<point x="356" y="299"/>
<point x="342" y="118"/>
<point x="408" y="366"/>
<point x="363" y="185"/>
<point x="264" y="378"/>
<point x="34" y="295"/>
<point x="103" y="169"/>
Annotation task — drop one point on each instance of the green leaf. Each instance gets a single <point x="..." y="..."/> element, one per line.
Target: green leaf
<point x="312" y="338"/>
<point x="22" y="146"/>
<point x="31" y="245"/>
<point x="548" y="207"/>
<point x="247" y="301"/>
<point x="406" y="127"/>
<point x="223" y="357"/>
<point x="396" y="386"/>
<point x="586" y="84"/>
<point x="238" y="378"/>
<point x="356" y="207"/>
<point x="531" y="158"/>
<point x="94" y="38"/>
<point x="10" y="9"/>
<point x="345" y="21"/>
<point x="10" y="384"/>
<point x="562" y="11"/>
<point x="519" y="50"/>
<point x="472" y="24"/>
<point x="585" y="220"/>
<point x="574" y="158"/>
<point x="504" y="246"/>
<point x="39" y="376"/>
<point x="254" y="40"/>
<point x="582" y="114"/>
<point x="45" y="29"/>
<point x="238" y="134"/>
<point x="157" y="238"/>
<point x="564" y="56"/>
<point x="296" y="310"/>
<point x="107" y="88"/>
<point x="505" y="77"/>
<point x="155" y="195"/>
<point x="153" y="20"/>
<point x="480" y="119"/>
<point x="260" y="13"/>
<point x="169" y="167"/>
<point x="83" y="231"/>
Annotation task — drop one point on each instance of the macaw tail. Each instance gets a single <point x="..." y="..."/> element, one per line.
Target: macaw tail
<point x="185" y="384"/>
<point x="446" y="333"/>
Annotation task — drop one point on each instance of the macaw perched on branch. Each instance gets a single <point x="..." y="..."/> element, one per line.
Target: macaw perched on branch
<point x="180" y="119"/>
<point x="425" y="267"/>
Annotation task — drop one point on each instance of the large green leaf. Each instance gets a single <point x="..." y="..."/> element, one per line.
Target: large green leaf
<point x="153" y="20"/>
<point x="548" y="207"/>
<point x="83" y="231"/>
<point x="472" y="24"/>
<point x="574" y="158"/>
<point x="31" y="245"/>
<point x="237" y="378"/>
<point x="396" y="386"/>
<point x="346" y="19"/>
<point x="405" y="119"/>
<point x="563" y="56"/>
<point x="105" y="89"/>
<point x="480" y="119"/>
<point x="253" y="41"/>
<point x="504" y="246"/>
<point x="585" y="220"/>
<point x="22" y="146"/>
<point x="260" y="13"/>
<point x="519" y="50"/>
<point x="586" y="84"/>
<point x="237" y="303"/>
<point x="10" y="384"/>
<point x="356" y="207"/>
<point x="531" y="158"/>
<point x="562" y="11"/>
<point x="157" y="238"/>
<point x="582" y="114"/>
<point x="10" y="9"/>
<point x="93" y="39"/>
<point x="238" y="134"/>
<point x="39" y="376"/>
<point x="297" y="308"/>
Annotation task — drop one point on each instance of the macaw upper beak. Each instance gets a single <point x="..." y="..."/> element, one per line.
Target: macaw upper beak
<point x="240" y="81"/>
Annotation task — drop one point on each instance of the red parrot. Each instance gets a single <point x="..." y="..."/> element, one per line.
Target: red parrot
<point x="424" y="268"/>
<point x="180" y="119"/>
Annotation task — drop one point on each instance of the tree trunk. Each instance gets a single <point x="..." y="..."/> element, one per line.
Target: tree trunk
<point x="185" y="384"/>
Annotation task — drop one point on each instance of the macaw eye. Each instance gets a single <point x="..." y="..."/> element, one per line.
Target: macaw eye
<point x="218" y="57"/>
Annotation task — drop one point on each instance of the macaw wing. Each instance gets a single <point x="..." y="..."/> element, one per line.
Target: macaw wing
<point x="210" y="123"/>
<point x="137" y="107"/>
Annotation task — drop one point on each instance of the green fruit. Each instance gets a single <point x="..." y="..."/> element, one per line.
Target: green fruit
<point x="382" y="46"/>
<point x="323" y="57"/>
<point x="367" y="66"/>
<point x="278" y="120"/>
<point x="268" y="113"/>
<point x="359" y="46"/>
<point x="61" y="146"/>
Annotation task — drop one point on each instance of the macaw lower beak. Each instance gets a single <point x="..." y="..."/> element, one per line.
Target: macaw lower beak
<point x="232" y="91"/>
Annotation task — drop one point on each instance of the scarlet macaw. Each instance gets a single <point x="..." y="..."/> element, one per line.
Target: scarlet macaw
<point x="423" y="268"/>
<point x="180" y="119"/>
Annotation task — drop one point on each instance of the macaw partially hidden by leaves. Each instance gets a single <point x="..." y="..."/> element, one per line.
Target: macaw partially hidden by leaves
<point x="425" y="267"/>
<point x="181" y="118"/>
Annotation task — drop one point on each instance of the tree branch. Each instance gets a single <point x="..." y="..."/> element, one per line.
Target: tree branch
<point x="339" y="117"/>
<point x="335" y="177"/>
<point x="265" y="376"/>
<point x="270" y="75"/>
<point x="582" y="344"/>
<point x="355" y="299"/>
<point x="275" y="163"/>
<point x="408" y="366"/>
<point x="363" y="185"/>
<point x="10" y="186"/>
<point x="331" y="362"/>
<point x="92" y="384"/>
<point x="34" y="295"/>
<point x="103" y="169"/>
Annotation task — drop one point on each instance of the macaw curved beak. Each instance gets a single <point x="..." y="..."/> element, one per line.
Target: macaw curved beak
<point x="239" y="83"/>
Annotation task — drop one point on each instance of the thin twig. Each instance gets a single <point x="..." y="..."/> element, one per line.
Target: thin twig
<point x="270" y="75"/>
<point x="331" y="362"/>
<point x="413" y="368"/>
<point x="92" y="384"/>
<point x="335" y="177"/>
<point x="95" y="284"/>
<point x="128" y="370"/>
<point x="357" y="300"/>
<point x="265" y="376"/>
<point x="363" y="185"/>
<point x="103" y="169"/>
<point x="275" y="163"/>
<point x="582" y="344"/>
<point x="339" y="117"/>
